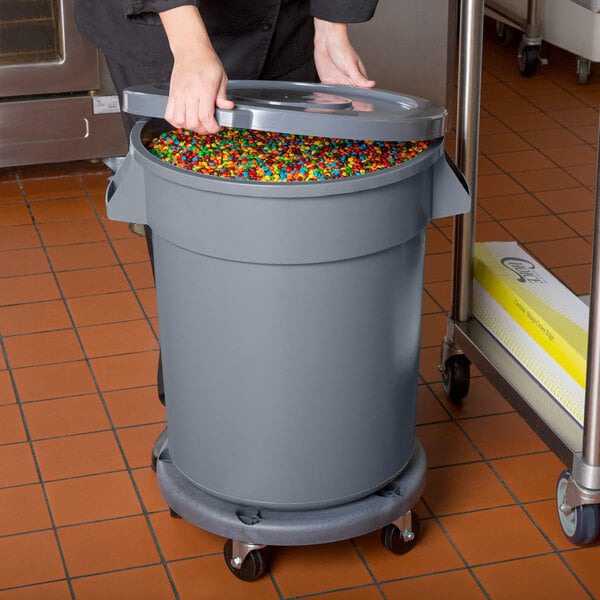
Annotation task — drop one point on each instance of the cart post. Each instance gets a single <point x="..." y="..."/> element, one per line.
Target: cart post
<point x="578" y="490"/>
<point x="453" y="364"/>
<point x="467" y="149"/>
<point x="587" y="469"/>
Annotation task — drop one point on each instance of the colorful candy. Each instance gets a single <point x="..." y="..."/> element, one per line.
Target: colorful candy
<point x="266" y="156"/>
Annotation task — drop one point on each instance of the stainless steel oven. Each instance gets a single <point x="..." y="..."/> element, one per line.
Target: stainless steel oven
<point x="57" y="102"/>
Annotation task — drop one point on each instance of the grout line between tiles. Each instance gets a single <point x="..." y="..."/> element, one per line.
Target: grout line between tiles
<point x="557" y="166"/>
<point x="456" y="549"/>
<point x="38" y="400"/>
<point x="28" y="531"/>
<point x="335" y="591"/>
<point x="109" y="416"/>
<point x="274" y="582"/>
<point x="487" y="461"/>
<point x="37" y="467"/>
<point x="522" y="506"/>
<point x="33" y="585"/>
<point x="134" y="568"/>
<point x="368" y="567"/>
<point x="558" y="552"/>
<point x="122" y="266"/>
<point x="74" y="477"/>
<point x="78" y="524"/>
<point x="86" y="358"/>
<point x="423" y="575"/>
<point x="185" y="558"/>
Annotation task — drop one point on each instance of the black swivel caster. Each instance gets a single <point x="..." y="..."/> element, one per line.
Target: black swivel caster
<point x="528" y="60"/>
<point x="400" y="539"/>
<point x="248" y="563"/>
<point x="504" y="33"/>
<point x="456" y="376"/>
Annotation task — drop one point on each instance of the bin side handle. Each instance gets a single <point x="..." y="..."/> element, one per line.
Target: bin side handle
<point x="450" y="189"/>
<point x="126" y="195"/>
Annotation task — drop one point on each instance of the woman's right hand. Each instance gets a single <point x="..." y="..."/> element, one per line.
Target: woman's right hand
<point x="198" y="81"/>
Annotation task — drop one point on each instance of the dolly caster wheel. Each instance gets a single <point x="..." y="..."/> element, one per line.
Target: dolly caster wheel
<point x="249" y="562"/>
<point x="400" y="540"/>
<point x="173" y="514"/>
<point x="456" y="377"/>
<point x="580" y="524"/>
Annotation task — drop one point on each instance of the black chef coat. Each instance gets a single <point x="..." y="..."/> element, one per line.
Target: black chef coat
<point x="255" y="39"/>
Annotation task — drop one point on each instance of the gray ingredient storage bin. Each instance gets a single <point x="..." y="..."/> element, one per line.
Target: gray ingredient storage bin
<point x="290" y="316"/>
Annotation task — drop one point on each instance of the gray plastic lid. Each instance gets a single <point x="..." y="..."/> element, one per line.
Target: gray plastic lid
<point x="310" y="109"/>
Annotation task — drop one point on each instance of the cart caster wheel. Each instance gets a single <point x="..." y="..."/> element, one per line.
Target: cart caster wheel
<point x="252" y="567"/>
<point x="173" y="514"/>
<point x="581" y="524"/>
<point x="504" y="33"/>
<point x="528" y="60"/>
<point x="583" y="70"/>
<point x="456" y="377"/>
<point x="393" y="539"/>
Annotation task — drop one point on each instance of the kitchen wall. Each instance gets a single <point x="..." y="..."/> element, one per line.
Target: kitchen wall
<point x="410" y="46"/>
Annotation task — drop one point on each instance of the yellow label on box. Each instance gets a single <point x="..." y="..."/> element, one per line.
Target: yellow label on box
<point x="542" y="306"/>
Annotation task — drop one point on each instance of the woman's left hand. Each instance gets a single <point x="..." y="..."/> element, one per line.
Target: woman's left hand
<point x="336" y="60"/>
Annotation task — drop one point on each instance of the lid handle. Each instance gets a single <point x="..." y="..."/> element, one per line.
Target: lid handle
<point x="151" y="101"/>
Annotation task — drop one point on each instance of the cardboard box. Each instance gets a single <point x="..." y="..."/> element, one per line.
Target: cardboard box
<point x="539" y="320"/>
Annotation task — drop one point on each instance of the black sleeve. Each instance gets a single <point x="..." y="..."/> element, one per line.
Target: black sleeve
<point x="343" y="11"/>
<point x="146" y="11"/>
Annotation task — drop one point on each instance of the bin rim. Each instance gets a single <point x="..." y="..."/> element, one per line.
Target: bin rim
<point x="272" y="189"/>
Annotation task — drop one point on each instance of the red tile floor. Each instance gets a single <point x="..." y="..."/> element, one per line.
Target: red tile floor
<point x="80" y="515"/>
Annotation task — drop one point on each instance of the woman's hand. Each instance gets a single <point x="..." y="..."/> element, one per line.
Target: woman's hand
<point x="336" y="60"/>
<point x="198" y="80"/>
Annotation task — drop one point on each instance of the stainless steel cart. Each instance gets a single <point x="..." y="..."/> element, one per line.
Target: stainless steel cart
<point x="574" y="26"/>
<point x="466" y="341"/>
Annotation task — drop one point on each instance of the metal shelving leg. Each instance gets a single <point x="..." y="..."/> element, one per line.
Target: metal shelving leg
<point x="467" y="151"/>
<point x="591" y="429"/>
<point x="583" y="486"/>
<point x="531" y="43"/>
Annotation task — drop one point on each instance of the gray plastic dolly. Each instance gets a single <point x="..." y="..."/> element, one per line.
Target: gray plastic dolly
<point x="251" y="530"/>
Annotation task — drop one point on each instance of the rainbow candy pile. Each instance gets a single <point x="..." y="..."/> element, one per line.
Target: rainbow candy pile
<point x="266" y="156"/>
